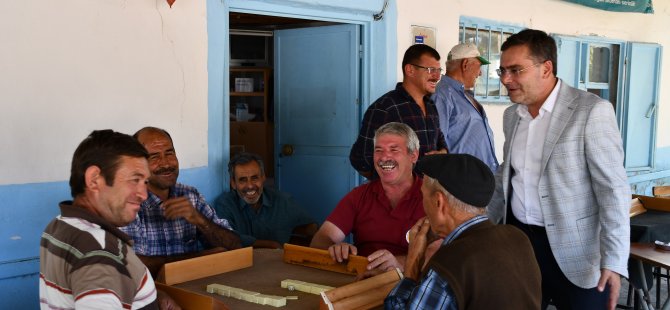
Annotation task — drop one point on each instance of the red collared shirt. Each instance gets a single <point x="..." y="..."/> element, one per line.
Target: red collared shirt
<point x="366" y="212"/>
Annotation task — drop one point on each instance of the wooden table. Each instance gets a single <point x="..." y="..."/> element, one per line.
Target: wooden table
<point x="647" y="253"/>
<point x="265" y="277"/>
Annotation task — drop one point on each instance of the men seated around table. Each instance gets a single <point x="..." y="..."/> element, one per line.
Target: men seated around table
<point x="379" y="213"/>
<point x="264" y="217"/>
<point x="85" y="260"/>
<point x="174" y="222"/>
<point x="478" y="265"/>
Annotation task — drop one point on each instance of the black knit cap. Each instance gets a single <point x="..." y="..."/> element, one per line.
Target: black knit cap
<point x="462" y="175"/>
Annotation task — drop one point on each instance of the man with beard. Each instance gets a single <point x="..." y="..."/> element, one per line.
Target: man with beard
<point x="264" y="217"/>
<point x="174" y="222"/>
<point x="408" y="103"/>
<point x="379" y="213"/>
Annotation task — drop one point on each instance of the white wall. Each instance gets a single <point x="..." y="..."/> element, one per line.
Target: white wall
<point x="70" y="66"/>
<point x="553" y="16"/>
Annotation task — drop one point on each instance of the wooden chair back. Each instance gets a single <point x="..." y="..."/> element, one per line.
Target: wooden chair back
<point x="661" y="191"/>
<point x="636" y="207"/>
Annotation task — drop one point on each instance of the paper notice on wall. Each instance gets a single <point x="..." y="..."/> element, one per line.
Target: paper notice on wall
<point x="423" y="35"/>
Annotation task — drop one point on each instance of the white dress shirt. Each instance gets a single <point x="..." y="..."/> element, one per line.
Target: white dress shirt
<point x="526" y="159"/>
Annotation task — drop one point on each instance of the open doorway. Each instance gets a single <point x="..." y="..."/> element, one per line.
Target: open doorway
<point x="252" y="82"/>
<point x="294" y="100"/>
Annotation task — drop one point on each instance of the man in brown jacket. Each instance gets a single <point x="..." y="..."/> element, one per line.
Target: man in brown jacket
<point x="476" y="262"/>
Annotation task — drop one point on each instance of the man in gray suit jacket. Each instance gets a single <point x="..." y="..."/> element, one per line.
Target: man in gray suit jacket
<point x="562" y="180"/>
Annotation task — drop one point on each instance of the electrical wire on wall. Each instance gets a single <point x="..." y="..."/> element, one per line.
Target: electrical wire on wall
<point x="380" y="15"/>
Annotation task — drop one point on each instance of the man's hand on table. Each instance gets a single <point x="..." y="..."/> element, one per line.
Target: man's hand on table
<point x="339" y="252"/>
<point x="381" y="261"/>
<point x="165" y="302"/>
<point x="384" y="260"/>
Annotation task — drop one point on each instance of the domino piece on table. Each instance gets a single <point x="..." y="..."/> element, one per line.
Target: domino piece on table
<point x="318" y="288"/>
<point x="302" y="286"/>
<point x="236" y="293"/>
<point x="287" y="282"/>
<point x="248" y="296"/>
<point x="214" y="288"/>
<point x="262" y="299"/>
<point x="251" y="296"/>
<point x="306" y="287"/>
<point x="276" y="301"/>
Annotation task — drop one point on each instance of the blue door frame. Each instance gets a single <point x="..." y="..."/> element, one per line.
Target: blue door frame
<point x="378" y="62"/>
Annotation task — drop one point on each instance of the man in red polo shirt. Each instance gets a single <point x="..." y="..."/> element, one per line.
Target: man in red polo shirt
<point x="379" y="213"/>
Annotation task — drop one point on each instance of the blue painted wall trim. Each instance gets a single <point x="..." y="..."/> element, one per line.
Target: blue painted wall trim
<point x="27" y="209"/>
<point x="19" y="267"/>
<point x="344" y="10"/>
<point x="34" y="205"/>
<point x="648" y="176"/>
<point x="20" y="292"/>
<point x="661" y="171"/>
<point x="218" y="138"/>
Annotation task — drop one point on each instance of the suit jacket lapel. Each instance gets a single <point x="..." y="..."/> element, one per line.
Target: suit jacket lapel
<point x="560" y="116"/>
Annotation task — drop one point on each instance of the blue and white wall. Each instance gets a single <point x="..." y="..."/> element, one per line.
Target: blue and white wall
<point x="71" y="66"/>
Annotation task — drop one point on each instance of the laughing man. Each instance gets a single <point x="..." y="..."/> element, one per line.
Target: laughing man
<point x="379" y="213"/>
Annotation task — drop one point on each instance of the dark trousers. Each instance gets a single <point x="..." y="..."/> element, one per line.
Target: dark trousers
<point x="556" y="288"/>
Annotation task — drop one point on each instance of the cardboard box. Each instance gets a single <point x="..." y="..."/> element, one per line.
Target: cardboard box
<point x="244" y="85"/>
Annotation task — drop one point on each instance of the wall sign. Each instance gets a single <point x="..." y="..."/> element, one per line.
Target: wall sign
<point x="638" y="6"/>
<point x="423" y="35"/>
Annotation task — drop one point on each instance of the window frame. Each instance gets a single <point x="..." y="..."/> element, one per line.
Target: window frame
<point x="491" y="27"/>
<point x="573" y="69"/>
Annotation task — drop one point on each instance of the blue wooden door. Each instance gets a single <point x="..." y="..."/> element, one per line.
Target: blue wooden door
<point x="569" y="56"/>
<point x="317" y="78"/>
<point x="641" y="104"/>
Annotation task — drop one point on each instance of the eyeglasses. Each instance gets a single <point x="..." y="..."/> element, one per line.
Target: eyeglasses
<point x="515" y="72"/>
<point x="430" y="70"/>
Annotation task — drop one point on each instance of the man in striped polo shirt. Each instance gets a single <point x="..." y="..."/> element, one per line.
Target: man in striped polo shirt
<point x="85" y="260"/>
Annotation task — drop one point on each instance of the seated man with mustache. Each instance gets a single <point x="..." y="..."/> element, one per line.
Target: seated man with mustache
<point x="174" y="222"/>
<point x="264" y="217"/>
<point x="379" y="213"/>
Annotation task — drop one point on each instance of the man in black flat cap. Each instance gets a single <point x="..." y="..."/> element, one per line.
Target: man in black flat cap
<point x="478" y="265"/>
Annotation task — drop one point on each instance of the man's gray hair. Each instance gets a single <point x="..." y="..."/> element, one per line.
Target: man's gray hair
<point x="244" y="158"/>
<point x="453" y="202"/>
<point x="400" y="129"/>
<point x="453" y="65"/>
